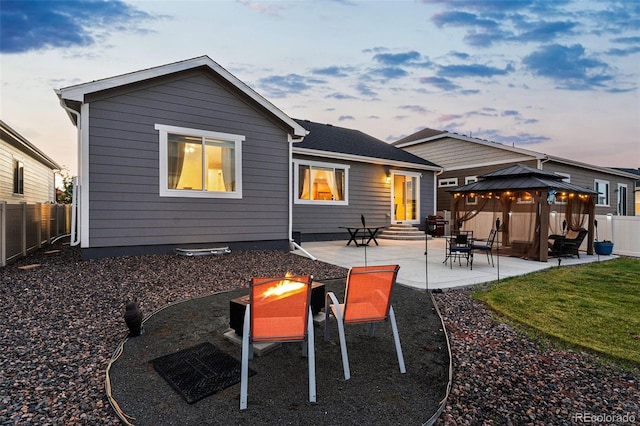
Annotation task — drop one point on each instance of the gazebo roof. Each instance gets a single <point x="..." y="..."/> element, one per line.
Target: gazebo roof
<point x="520" y="178"/>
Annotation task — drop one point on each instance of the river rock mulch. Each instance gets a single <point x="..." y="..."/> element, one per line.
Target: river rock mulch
<point x="502" y="377"/>
<point x="62" y="320"/>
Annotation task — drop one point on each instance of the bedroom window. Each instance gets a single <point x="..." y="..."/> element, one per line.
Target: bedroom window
<point x="321" y="183"/>
<point x="18" y="177"/>
<point x="602" y="188"/>
<point x="199" y="163"/>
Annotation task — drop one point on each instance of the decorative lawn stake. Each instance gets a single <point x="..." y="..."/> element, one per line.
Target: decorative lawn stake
<point x="133" y="318"/>
<point x="365" y="246"/>
<point x="426" y="258"/>
<point x="498" y="245"/>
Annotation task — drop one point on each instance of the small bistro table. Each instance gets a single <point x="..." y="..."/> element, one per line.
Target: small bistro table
<point x="368" y="233"/>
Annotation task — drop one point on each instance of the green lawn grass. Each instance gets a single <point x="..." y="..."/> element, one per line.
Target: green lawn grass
<point x="594" y="306"/>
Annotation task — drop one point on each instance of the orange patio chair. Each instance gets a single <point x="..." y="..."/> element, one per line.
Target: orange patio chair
<point x="278" y="311"/>
<point x="367" y="299"/>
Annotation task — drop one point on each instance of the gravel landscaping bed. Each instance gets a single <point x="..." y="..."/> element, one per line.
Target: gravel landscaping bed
<point x="61" y="322"/>
<point x="502" y="377"/>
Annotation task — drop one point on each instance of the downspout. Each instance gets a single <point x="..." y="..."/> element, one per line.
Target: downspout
<point x="75" y="239"/>
<point x="541" y="162"/>
<point x="293" y="243"/>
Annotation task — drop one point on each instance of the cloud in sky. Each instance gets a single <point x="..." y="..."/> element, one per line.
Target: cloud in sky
<point x="569" y="67"/>
<point x="279" y="86"/>
<point x="34" y="25"/>
<point x="463" y="64"/>
<point x="440" y="82"/>
<point x="472" y="70"/>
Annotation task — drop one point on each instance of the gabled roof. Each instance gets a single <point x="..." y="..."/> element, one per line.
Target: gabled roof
<point x="423" y="134"/>
<point x="428" y="135"/>
<point x="520" y="178"/>
<point x="73" y="95"/>
<point x="20" y="142"/>
<point x="339" y="142"/>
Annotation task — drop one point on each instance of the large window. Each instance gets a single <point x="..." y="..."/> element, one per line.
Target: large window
<point x="321" y="183"/>
<point x="199" y="163"/>
<point x="18" y="177"/>
<point x="602" y="188"/>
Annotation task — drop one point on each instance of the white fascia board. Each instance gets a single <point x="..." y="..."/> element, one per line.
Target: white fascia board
<point x="592" y="167"/>
<point x="362" y="159"/>
<point x="78" y="92"/>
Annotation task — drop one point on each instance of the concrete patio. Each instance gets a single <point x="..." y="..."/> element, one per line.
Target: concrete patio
<point x="410" y="255"/>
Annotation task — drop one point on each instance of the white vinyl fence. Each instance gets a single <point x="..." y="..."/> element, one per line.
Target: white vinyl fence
<point x="623" y="231"/>
<point x="27" y="227"/>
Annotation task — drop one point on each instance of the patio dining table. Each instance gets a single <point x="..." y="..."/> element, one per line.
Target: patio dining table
<point x="368" y="233"/>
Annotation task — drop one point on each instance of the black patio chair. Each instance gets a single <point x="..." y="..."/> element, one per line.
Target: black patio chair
<point x="567" y="245"/>
<point x="459" y="246"/>
<point x="487" y="247"/>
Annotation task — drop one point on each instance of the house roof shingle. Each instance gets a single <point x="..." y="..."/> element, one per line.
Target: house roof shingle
<point x="327" y="138"/>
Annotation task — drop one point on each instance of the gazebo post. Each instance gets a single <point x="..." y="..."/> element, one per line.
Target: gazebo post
<point x="592" y="218"/>
<point x="543" y="233"/>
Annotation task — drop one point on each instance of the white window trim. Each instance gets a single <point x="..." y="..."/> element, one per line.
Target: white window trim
<point x="180" y="193"/>
<point x="418" y="177"/>
<point x="566" y="176"/>
<point x="296" y="177"/>
<point x="595" y="187"/>
<point x="19" y="163"/>
<point x="626" y="191"/>
<point x="447" y="182"/>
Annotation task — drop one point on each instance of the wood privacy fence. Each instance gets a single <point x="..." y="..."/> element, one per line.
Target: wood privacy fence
<point x="27" y="227"/>
<point x="624" y="231"/>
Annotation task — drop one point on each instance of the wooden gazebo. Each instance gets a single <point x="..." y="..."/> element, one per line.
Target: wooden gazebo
<point x="541" y="188"/>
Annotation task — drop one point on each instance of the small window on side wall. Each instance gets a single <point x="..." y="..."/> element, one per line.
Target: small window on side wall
<point x="199" y="163"/>
<point x="447" y="182"/>
<point x="602" y="188"/>
<point x="18" y="177"/>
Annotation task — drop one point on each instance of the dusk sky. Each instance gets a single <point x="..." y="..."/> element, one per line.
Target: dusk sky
<point x="558" y="77"/>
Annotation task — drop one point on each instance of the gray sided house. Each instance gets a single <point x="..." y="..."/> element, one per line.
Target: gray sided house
<point x="340" y="174"/>
<point x="181" y="155"/>
<point x="27" y="175"/>
<point x="465" y="158"/>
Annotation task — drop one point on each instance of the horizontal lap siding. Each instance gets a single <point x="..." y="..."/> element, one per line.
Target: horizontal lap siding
<point x="450" y="153"/>
<point x="39" y="182"/>
<point x="368" y="195"/>
<point x="125" y="206"/>
<point x="586" y="178"/>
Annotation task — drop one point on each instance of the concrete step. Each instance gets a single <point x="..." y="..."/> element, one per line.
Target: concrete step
<point x="402" y="232"/>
